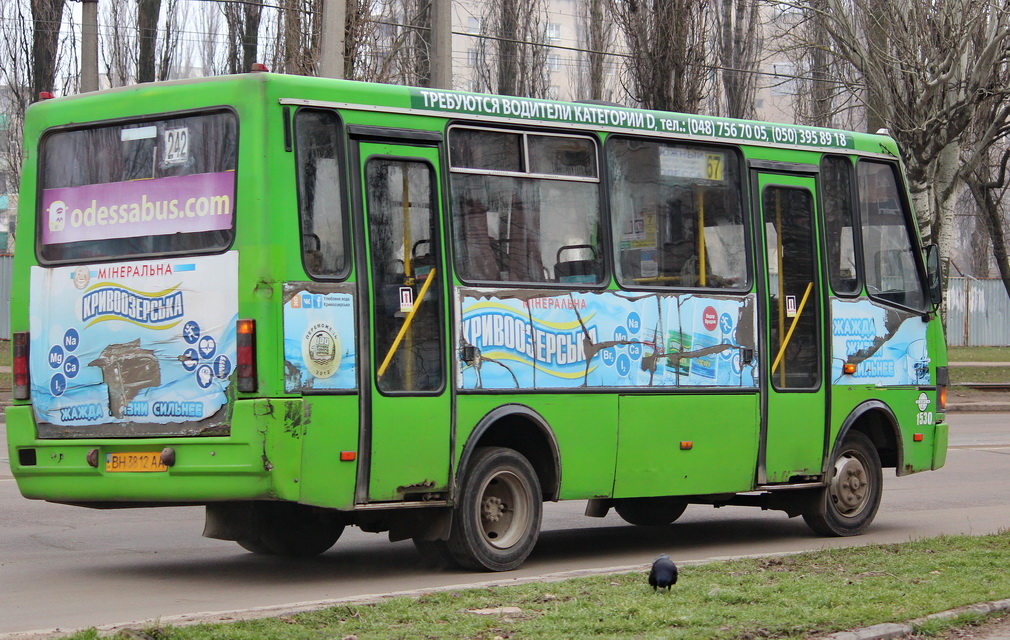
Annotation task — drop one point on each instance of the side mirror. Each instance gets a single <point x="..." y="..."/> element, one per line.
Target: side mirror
<point x="934" y="282"/>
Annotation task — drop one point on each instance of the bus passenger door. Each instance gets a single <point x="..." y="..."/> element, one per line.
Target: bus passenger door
<point x="406" y="405"/>
<point x="793" y="428"/>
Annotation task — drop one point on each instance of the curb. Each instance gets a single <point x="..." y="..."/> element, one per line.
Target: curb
<point x="889" y="630"/>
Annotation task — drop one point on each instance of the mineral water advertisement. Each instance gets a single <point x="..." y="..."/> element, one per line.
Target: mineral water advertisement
<point x="319" y="348"/>
<point x="133" y="342"/>
<point x="606" y="339"/>
<point x="888" y="347"/>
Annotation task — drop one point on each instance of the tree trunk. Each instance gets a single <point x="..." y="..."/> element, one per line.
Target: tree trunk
<point x="148" y="12"/>
<point x="47" y="16"/>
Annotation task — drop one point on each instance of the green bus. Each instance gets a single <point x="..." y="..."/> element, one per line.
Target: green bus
<point x="309" y="303"/>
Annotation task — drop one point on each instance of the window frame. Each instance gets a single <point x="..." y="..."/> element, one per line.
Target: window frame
<point x="745" y="217"/>
<point x="604" y="245"/>
<point x="42" y="155"/>
<point x="857" y="229"/>
<point x="342" y="172"/>
<point x="911" y="228"/>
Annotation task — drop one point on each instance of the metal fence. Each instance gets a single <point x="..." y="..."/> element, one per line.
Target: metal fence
<point x="978" y="313"/>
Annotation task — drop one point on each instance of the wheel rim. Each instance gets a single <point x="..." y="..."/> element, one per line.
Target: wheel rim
<point x="850" y="486"/>
<point x="504" y="510"/>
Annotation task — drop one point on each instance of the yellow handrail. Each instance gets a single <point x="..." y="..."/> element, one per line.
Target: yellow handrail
<point x="789" y="334"/>
<point x="406" y="323"/>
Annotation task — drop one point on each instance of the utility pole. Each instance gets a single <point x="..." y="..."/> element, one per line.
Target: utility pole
<point x="89" y="45"/>
<point x="441" y="44"/>
<point x="331" y="54"/>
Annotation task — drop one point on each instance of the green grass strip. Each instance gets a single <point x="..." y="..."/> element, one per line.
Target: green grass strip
<point x="792" y="596"/>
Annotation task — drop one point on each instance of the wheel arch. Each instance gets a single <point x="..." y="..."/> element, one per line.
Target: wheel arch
<point x="876" y="421"/>
<point x="519" y="427"/>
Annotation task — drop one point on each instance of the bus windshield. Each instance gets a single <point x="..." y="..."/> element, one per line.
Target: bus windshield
<point x="138" y="188"/>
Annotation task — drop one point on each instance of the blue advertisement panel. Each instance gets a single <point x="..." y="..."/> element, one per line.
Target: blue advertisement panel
<point x="549" y="340"/>
<point x="132" y="343"/>
<point x="319" y="348"/>
<point x="887" y="346"/>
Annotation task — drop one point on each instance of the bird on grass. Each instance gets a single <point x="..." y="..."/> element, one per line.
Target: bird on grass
<point x="663" y="573"/>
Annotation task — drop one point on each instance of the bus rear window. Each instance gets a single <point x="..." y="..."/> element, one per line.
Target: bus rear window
<point x="155" y="187"/>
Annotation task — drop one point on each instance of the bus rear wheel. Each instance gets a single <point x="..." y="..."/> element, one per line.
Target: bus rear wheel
<point x="293" y="530"/>
<point x="849" y="502"/>
<point x="497" y="518"/>
<point x="649" y="512"/>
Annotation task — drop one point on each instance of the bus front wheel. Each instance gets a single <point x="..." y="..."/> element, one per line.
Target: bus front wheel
<point x="849" y="502"/>
<point x="648" y="512"/>
<point x="497" y="518"/>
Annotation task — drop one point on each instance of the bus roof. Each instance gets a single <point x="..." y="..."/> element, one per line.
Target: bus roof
<point x="148" y="98"/>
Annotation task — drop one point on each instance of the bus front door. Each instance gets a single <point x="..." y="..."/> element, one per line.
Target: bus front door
<point x="793" y="427"/>
<point x="406" y="405"/>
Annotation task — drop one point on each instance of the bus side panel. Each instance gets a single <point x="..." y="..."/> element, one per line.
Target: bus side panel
<point x="584" y="425"/>
<point x="686" y="444"/>
<point x="209" y="468"/>
<point x="330" y="426"/>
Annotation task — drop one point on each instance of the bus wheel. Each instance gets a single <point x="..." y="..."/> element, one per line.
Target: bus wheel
<point x="850" y="501"/>
<point x="288" y="529"/>
<point x="497" y="518"/>
<point x="649" y="511"/>
<point x="435" y="554"/>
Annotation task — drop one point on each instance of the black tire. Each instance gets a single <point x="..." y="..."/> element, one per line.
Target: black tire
<point x="649" y="512"/>
<point x="435" y="554"/>
<point x="292" y="530"/>
<point x="849" y="502"/>
<point x="496" y="521"/>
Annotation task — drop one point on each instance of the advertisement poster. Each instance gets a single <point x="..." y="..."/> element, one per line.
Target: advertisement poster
<point x="606" y="339"/>
<point x="133" y="342"/>
<point x="319" y="348"/>
<point x="888" y="347"/>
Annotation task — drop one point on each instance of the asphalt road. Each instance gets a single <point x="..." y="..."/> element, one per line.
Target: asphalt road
<point x="67" y="568"/>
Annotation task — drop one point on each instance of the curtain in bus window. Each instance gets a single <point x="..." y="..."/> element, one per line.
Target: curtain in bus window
<point x="319" y="201"/>
<point x="522" y="227"/>
<point x="836" y="188"/>
<point x="677" y="215"/>
<point x="888" y="244"/>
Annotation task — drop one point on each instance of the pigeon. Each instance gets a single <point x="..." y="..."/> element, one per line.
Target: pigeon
<point x="663" y="573"/>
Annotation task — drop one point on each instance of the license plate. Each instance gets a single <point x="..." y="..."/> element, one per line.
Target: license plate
<point x="134" y="461"/>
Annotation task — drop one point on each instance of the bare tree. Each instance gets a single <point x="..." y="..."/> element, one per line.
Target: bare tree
<point x="243" y="22"/>
<point x="169" y="50"/>
<point x="512" y="54"/>
<point x="47" y="16"/>
<point x="118" y="42"/>
<point x="596" y="40"/>
<point x="739" y="37"/>
<point x="929" y="72"/>
<point x="668" y="41"/>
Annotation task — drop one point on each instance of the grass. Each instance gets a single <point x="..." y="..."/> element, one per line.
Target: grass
<point x="979" y="374"/>
<point x="792" y="596"/>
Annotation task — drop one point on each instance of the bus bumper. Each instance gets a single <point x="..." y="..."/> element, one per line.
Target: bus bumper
<point x="206" y="469"/>
<point x="940" y="437"/>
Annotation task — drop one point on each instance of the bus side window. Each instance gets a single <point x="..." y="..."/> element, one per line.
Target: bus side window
<point x="678" y="219"/>
<point x="324" y="250"/>
<point x="836" y="195"/>
<point x="525" y="207"/>
<point x="889" y="248"/>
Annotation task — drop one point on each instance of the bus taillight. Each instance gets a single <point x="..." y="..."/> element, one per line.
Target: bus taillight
<point x="246" y="366"/>
<point x="942" y="380"/>
<point x="19" y="387"/>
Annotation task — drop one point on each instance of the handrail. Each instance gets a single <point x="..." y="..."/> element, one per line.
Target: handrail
<point x="406" y="323"/>
<point x="789" y="334"/>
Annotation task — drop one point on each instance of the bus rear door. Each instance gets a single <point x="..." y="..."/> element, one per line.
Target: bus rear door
<point x="406" y="405"/>
<point x="794" y="403"/>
